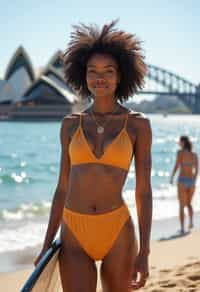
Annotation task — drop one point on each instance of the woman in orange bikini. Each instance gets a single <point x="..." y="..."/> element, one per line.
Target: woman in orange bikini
<point x="98" y="146"/>
<point x="187" y="162"/>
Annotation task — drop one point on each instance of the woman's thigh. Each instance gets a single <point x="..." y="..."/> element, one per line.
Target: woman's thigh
<point x="182" y="195"/>
<point x="190" y="193"/>
<point x="117" y="266"/>
<point x="77" y="270"/>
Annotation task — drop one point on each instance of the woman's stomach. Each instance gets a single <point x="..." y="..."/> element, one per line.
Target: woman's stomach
<point x="95" y="188"/>
<point x="188" y="174"/>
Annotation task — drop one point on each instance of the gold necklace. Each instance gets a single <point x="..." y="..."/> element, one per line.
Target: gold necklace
<point x="101" y="128"/>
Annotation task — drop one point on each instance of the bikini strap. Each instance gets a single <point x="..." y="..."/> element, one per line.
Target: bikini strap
<point x="125" y="122"/>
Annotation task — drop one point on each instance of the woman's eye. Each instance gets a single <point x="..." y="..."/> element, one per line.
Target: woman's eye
<point x="94" y="74"/>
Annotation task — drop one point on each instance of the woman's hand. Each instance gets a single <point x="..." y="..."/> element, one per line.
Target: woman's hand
<point x="43" y="251"/>
<point x="140" y="272"/>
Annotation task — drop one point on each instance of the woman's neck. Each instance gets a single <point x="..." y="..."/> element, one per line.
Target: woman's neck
<point x="104" y="106"/>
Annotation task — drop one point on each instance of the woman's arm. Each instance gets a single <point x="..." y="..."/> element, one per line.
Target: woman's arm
<point x="176" y="166"/>
<point x="196" y="165"/>
<point x="143" y="200"/>
<point x="143" y="183"/>
<point x="60" y="192"/>
<point x="61" y="189"/>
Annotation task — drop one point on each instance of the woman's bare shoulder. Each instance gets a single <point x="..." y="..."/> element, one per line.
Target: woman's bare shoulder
<point x="180" y="153"/>
<point x="139" y="120"/>
<point x="70" y="120"/>
<point x="195" y="155"/>
<point x="69" y="125"/>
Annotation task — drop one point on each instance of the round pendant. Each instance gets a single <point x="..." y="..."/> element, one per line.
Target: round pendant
<point x="100" y="130"/>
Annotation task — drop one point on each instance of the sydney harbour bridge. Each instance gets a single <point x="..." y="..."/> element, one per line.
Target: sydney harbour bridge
<point x="168" y="83"/>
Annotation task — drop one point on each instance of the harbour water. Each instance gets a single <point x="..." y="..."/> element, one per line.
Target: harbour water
<point x="29" y="167"/>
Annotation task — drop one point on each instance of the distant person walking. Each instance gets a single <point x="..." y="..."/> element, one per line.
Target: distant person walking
<point x="187" y="162"/>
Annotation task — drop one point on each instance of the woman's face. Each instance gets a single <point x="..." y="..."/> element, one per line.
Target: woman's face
<point x="102" y="75"/>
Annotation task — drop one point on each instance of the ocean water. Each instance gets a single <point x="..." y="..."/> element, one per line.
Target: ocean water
<point x="29" y="167"/>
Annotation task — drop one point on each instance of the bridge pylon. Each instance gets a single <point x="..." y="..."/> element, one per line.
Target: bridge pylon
<point x="196" y="107"/>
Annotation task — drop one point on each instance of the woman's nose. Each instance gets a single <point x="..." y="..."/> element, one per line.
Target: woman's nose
<point x="100" y="76"/>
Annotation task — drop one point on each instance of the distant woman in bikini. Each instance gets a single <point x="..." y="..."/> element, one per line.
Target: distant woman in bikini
<point x="187" y="163"/>
<point x="98" y="146"/>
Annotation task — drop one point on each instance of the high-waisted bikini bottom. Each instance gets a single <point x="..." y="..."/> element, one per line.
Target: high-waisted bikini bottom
<point x="96" y="233"/>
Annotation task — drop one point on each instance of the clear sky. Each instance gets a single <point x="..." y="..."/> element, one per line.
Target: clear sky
<point x="170" y="29"/>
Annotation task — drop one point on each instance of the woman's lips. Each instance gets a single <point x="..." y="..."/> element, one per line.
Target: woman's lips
<point x="100" y="86"/>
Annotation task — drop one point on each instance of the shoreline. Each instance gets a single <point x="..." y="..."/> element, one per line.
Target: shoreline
<point x="162" y="230"/>
<point x="174" y="266"/>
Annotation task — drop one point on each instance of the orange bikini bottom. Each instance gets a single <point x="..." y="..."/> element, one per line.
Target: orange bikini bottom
<point x="96" y="233"/>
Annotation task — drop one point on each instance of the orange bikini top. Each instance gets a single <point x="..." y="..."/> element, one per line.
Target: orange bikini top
<point x="118" y="153"/>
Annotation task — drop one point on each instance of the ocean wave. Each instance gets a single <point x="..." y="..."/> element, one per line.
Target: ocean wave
<point x="28" y="234"/>
<point x="25" y="211"/>
<point x="14" y="178"/>
<point x="33" y="168"/>
<point x="12" y="155"/>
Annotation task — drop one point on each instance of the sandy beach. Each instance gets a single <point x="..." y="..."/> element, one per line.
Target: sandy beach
<point x="174" y="266"/>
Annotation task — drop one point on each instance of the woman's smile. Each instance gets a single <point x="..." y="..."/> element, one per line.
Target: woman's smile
<point x="100" y="86"/>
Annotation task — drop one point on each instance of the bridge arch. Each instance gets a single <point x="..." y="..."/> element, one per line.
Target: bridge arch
<point x="174" y="84"/>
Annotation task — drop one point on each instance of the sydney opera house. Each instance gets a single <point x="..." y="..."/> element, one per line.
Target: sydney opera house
<point x="27" y="94"/>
